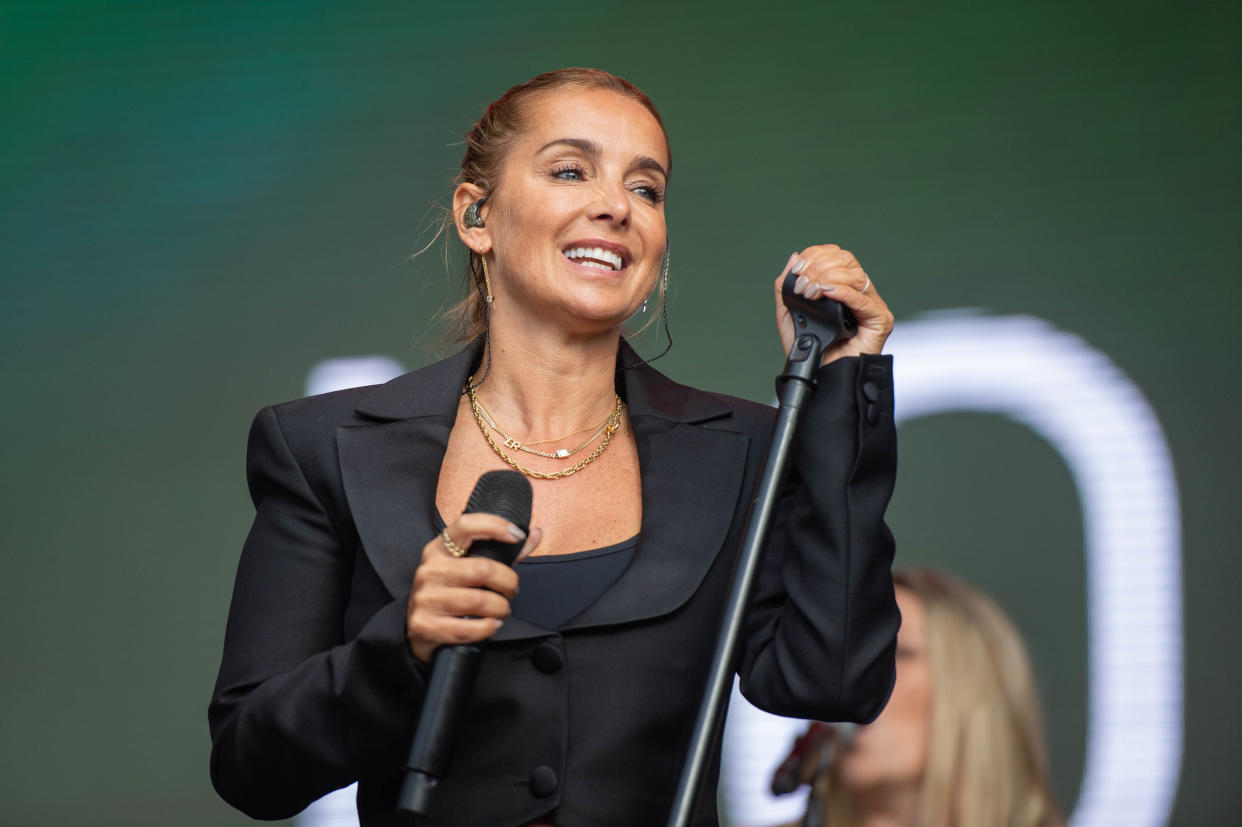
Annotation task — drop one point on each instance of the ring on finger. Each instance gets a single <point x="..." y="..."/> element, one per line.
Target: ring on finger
<point x="450" y="546"/>
<point x="866" y="286"/>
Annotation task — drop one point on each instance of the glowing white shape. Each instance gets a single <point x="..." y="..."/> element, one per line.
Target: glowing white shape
<point x="1098" y="421"/>
<point x="351" y="372"/>
<point x="755" y="743"/>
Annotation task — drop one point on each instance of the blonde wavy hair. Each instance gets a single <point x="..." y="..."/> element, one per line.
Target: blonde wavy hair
<point x="986" y="763"/>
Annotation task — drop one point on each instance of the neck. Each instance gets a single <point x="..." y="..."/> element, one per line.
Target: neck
<point x="542" y="385"/>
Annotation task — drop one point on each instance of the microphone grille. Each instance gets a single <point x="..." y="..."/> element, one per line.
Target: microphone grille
<point x="504" y="493"/>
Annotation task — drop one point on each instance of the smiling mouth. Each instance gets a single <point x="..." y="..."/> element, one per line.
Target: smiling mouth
<point x="596" y="257"/>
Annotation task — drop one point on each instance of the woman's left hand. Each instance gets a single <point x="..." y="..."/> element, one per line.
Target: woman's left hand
<point x="827" y="271"/>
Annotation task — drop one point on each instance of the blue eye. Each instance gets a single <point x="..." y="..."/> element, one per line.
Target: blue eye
<point x="652" y="193"/>
<point x="568" y="173"/>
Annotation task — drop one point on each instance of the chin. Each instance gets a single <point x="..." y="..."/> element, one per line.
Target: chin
<point x="594" y="317"/>
<point x="861" y="776"/>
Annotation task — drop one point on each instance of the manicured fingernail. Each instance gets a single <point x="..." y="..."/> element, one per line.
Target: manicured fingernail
<point x="827" y="288"/>
<point x="516" y="533"/>
<point x="801" y="283"/>
<point x="499" y="623"/>
<point x="799" y="265"/>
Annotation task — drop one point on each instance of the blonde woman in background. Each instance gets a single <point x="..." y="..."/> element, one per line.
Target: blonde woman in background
<point x="960" y="743"/>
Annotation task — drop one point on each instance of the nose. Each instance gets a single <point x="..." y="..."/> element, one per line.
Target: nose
<point x="611" y="204"/>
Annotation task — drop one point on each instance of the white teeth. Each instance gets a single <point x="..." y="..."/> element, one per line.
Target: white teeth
<point x="595" y="257"/>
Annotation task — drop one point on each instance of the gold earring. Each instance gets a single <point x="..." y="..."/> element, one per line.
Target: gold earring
<point x="487" y="282"/>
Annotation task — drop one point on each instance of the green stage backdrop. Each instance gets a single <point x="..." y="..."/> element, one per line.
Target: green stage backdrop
<point x="200" y="201"/>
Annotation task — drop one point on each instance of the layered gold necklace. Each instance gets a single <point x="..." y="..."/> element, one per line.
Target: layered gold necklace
<point x="487" y="424"/>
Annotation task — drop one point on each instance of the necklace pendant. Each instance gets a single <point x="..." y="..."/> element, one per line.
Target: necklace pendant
<point x="510" y="442"/>
<point x="562" y="453"/>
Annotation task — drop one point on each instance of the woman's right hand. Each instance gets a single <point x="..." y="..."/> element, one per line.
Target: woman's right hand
<point x="462" y="599"/>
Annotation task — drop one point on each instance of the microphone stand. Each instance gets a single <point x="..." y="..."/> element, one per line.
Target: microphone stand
<point x="817" y="325"/>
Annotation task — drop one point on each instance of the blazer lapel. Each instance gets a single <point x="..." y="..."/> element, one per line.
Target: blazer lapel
<point x="691" y="481"/>
<point x="390" y="464"/>
<point x="692" y="477"/>
<point x="389" y="472"/>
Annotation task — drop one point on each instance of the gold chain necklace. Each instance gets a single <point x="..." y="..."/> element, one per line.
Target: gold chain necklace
<point x="610" y="428"/>
<point x="560" y="453"/>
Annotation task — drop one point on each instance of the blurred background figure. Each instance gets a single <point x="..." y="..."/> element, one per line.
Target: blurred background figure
<point x="960" y="743"/>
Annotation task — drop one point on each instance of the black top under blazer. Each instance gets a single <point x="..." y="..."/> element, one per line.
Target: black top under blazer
<point x="586" y="725"/>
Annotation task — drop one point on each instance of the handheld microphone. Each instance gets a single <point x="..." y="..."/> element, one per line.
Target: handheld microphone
<point x="822" y="742"/>
<point x="455" y="668"/>
<point x="787" y="777"/>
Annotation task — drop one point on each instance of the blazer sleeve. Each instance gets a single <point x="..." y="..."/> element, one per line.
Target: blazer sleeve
<point x="822" y="626"/>
<point x="297" y="710"/>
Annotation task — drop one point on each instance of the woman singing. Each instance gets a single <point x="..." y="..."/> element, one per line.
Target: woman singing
<point x="353" y="573"/>
<point x="961" y="742"/>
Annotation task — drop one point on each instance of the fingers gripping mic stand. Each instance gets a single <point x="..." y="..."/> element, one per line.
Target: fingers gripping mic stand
<point x="817" y="324"/>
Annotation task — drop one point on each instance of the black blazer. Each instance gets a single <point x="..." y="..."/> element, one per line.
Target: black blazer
<point x="587" y="724"/>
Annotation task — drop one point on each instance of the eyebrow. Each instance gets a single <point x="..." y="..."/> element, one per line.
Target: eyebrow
<point x="593" y="149"/>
